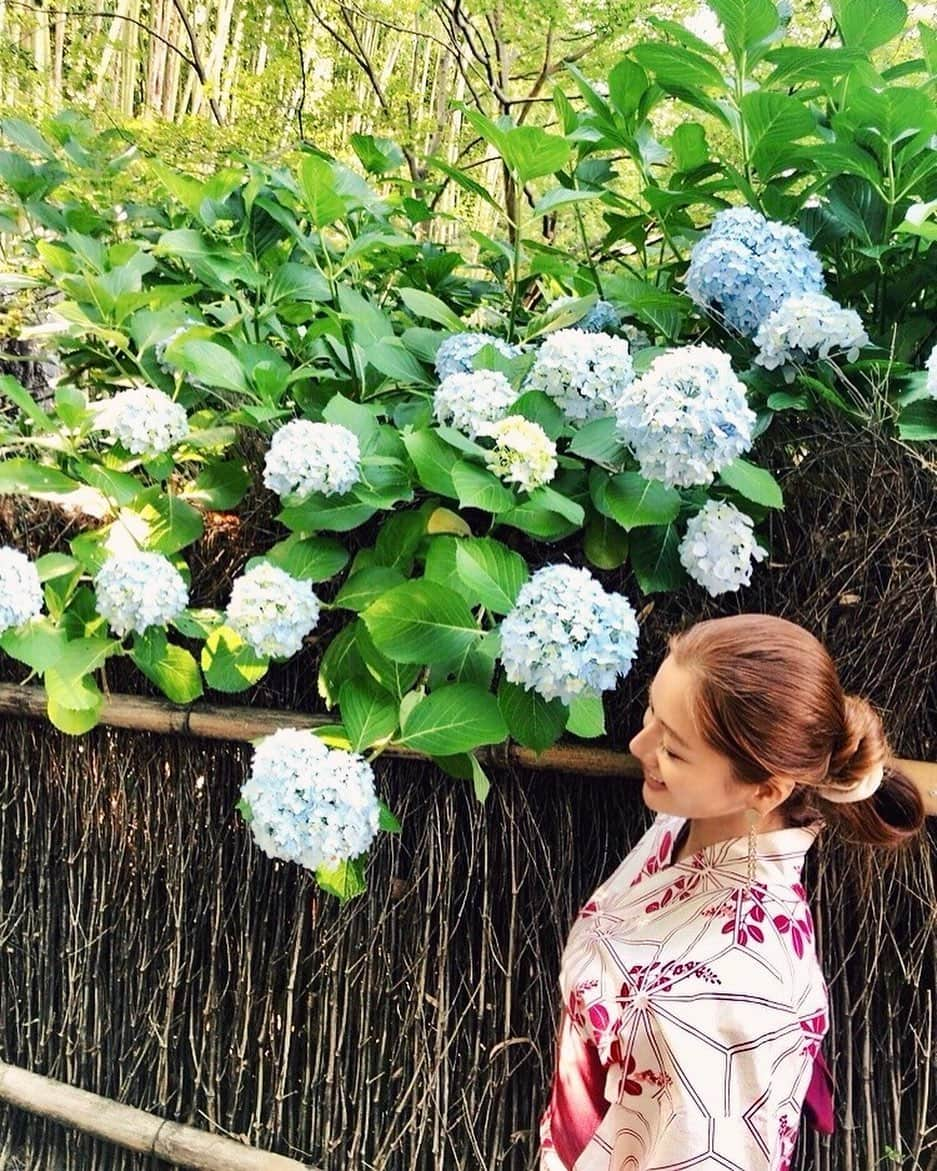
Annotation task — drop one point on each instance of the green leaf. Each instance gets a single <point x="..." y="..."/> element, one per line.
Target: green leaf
<point x="18" y="394"/>
<point x="171" y="668"/>
<point x="172" y="524"/>
<point x="747" y="25"/>
<point x="345" y="879"/>
<point x="476" y="487"/>
<point x="433" y="460"/>
<point x="369" y="713"/>
<point x="73" y="706"/>
<point x="605" y="543"/>
<point x="490" y="572"/>
<point x="309" y="558"/>
<point x="676" y="65"/>
<point x="320" y="192"/>
<point x="480" y="782"/>
<point x="22" y="477"/>
<point x="688" y="143"/>
<point x="455" y="718"/>
<point x="548" y="498"/>
<point x="423" y="304"/>
<point x="753" y="483"/>
<point x="421" y="622"/>
<point x="532" y="720"/>
<point x="655" y="558"/>
<point x="208" y="362"/>
<point x="918" y="420"/>
<point x="197" y="623"/>
<point x="119" y="487"/>
<point x="658" y="308"/>
<point x="392" y="358"/>
<point x="599" y="441"/>
<point x="363" y="587"/>
<point x="867" y="24"/>
<point x="327" y="513"/>
<point x="229" y="663"/>
<point x="586" y="717"/>
<point x="774" y="121"/>
<point x="535" y="521"/>
<point x="386" y="820"/>
<point x="299" y="282"/>
<point x="219" y="485"/>
<point x="632" y="501"/>
<point x="342" y="660"/>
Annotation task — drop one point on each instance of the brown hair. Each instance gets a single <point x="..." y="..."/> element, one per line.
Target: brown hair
<point x="768" y="697"/>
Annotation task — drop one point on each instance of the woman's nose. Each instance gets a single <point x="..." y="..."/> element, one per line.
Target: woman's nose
<point x="644" y="739"/>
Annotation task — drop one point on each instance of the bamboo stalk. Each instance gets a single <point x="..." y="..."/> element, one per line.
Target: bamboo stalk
<point x="136" y="1129"/>
<point x="248" y="723"/>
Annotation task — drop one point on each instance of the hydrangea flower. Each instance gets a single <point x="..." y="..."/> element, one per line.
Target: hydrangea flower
<point x="138" y="590"/>
<point x="584" y="373"/>
<point x="806" y="327"/>
<point x="145" y="420"/>
<point x="931" y="369"/>
<point x="523" y="453"/>
<point x="746" y="265"/>
<point x="272" y="610"/>
<point x="456" y="352"/>
<point x="602" y="317"/>
<point x="719" y="547"/>
<point x="20" y="589"/>
<point x="472" y="401"/>
<point x="566" y="636"/>
<point x="686" y="417"/>
<point x="306" y="457"/>
<point x="310" y="804"/>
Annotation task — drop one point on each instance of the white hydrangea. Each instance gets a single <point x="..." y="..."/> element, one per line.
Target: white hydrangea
<point x="472" y="401"/>
<point x="566" y="636"/>
<point x="584" y="373"/>
<point x="719" y="547"/>
<point x="138" y="590"/>
<point x="687" y="417"/>
<point x="806" y="327"/>
<point x="145" y="420"/>
<point x="456" y="352"/>
<point x="306" y="457"/>
<point x="309" y="803"/>
<point x="523" y="453"/>
<point x="20" y="589"/>
<point x="272" y="610"/>
<point x="931" y="369"/>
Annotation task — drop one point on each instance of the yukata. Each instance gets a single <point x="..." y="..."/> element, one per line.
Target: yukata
<point x="693" y="1013"/>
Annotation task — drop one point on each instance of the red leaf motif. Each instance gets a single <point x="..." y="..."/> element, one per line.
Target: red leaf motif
<point x="743" y="936"/>
<point x="651" y="907"/>
<point x="782" y="922"/>
<point x="798" y="943"/>
<point x="668" y="895"/>
<point x="758" y="913"/>
<point x="598" y="1017"/>
<point x="756" y="933"/>
<point x="727" y="927"/>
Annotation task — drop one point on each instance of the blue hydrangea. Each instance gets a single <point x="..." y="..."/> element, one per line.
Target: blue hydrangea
<point x="746" y="265"/>
<point x="584" y="373"/>
<point x="686" y="417"/>
<point x="805" y="328"/>
<point x="719" y="547"/>
<point x="272" y="610"/>
<point x="135" y="591"/>
<point x="565" y="636"/>
<point x="20" y="589"/>
<point x="602" y="317"/>
<point x="456" y="352"/>
<point x="309" y="803"/>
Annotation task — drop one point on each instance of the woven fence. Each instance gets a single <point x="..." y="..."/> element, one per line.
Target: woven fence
<point x="149" y="953"/>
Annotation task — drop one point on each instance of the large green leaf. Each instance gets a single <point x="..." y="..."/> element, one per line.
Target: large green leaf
<point x="423" y="304"/>
<point x="309" y="558"/>
<point x="74" y="705"/>
<point x="229" y="663"/>
<point x="532" y="720"/>
<point x="433" y="460"/>
<point x="918" y="421"/>
<point x="586" y="717"/>
<point x="365" y="586"/>
<point x="299" y="282"/>
<point x="867" y="24"/>
<point x="345" y="879"/>
<point x="673" y="64"/>
<point x="369" y="713"/>
<point x="748" y="25"/>
<point x="655" y="559"/>
<point x="633" y="501"/>
<point x="456" y="718"/>
<point x="208" y="362"/>
<point x="753" y="483"/>
<point x="774" y="121"/>
<point x="22" y="477"/>
<point x="320" y="191"/>
<point x="489" y="572"/>
<point x="476" y="487"/>
<point x="171" y="668"/>
<point x="421" y="622"/>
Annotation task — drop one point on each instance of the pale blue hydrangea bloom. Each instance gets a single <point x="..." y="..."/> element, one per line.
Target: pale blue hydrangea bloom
<point x="523" y="453"/>
<point x="686" y="417"/>
<point x="602" y="317"/>
<point x="746" y="265"/>
<point x="719" y="547"/>
<point x="806" y="327"/>
<point x="20" y="589"/>
<point x="272" y="610"/>
<point x="309" y="803"/>
<point x="471" y="401"/>
<point x="306" y="457"/>
<point x="138" y="590"/>
<point x="456" y="352"/>
<point x="931" y="369"/>
<point x="566" y="636"/>
<point x="584" y="373"/>
<point x="145" y="420"/>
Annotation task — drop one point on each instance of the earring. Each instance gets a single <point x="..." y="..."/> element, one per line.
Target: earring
<point x="753" y="818"/>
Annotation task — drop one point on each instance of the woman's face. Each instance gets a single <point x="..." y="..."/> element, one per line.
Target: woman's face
<point x="697" y="780"/>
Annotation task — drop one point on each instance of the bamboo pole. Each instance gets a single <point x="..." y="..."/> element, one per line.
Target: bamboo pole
<point x="136" y="1129"/>
<point x="249" y="723"/>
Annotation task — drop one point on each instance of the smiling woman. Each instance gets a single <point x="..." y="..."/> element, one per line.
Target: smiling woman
<point x="694" y="1003"/>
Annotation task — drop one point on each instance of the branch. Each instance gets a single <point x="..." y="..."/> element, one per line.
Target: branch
<point x="197" y="59"/>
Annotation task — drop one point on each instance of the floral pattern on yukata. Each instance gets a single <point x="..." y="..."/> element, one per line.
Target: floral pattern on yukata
<point x="705" y="1002"/>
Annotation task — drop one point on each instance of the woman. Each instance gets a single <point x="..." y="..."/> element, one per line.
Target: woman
<point x="694" y="1006"/>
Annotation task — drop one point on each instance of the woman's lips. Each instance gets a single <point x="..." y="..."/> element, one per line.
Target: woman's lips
<point x="653" y="783"/>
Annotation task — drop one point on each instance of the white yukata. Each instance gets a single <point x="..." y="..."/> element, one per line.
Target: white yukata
<point x="693" y="1012"/>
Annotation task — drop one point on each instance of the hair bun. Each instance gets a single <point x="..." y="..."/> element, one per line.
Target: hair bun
<point x="862" y="746"/>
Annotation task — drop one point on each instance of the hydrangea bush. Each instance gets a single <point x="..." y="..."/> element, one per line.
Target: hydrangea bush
<point x="418" y="428"/>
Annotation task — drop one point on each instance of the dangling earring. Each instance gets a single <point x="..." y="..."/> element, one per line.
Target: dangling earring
<point x="753" y="818"/>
